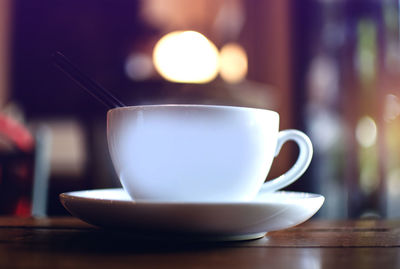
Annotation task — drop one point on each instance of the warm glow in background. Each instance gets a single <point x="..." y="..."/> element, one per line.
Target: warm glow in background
<point x="186" y="56"/>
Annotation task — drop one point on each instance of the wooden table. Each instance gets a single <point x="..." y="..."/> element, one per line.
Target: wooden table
<point x="69" y="243"/>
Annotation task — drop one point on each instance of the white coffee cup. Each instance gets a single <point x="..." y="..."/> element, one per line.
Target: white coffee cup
<point x="199" y="153"/>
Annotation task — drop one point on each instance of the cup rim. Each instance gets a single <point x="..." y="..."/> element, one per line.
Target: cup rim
<point x="142" y="107"/>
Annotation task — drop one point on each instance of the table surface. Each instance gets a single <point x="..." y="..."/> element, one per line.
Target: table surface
<point x="66" y="242"/>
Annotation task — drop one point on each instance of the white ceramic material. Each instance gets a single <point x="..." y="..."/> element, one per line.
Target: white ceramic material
<point x="199" y="152"/>
<point x="114" y="208"/>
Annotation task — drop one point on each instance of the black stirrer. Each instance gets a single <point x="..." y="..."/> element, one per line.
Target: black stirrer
<point x="86" y="83"/>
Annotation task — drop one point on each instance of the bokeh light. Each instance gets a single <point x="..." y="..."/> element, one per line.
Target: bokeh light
<point x="391" y="108"/>
<point x="233" y="63"/>
<point x="138" y="66"/>
<point x="186" y="57"/>
<point x="366" y="132"/>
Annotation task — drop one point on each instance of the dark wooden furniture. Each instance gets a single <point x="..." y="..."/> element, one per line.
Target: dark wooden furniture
<point x="67" y="242"/>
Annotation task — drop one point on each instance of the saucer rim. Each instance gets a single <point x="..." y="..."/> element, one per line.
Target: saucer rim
<point x="135" y="217"/>
<point x="299" y="196"/>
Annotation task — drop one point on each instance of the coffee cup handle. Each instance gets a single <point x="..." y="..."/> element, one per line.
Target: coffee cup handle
<point x="300" y="166"/>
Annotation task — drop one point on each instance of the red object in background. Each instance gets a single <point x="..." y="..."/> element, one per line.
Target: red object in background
<point x="23" y="207"/>
<point x="16" y="169"/>
<point x="16" y="183"/>
<point x="16" y="133"/>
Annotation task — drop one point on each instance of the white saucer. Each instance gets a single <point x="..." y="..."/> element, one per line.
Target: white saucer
<point x="113" y="208"/>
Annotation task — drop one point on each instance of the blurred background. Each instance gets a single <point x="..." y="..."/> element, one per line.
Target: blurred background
<point x="330" y="68"/>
